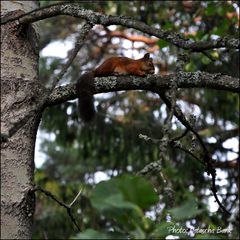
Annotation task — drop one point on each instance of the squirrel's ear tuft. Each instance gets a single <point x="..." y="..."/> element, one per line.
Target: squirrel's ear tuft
<point x="146" y="56"/>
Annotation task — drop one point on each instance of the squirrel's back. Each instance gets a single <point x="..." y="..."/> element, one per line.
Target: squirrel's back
<point x="111" y="66"/>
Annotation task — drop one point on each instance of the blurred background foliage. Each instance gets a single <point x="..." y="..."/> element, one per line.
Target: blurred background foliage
<point x="77" y="156"/>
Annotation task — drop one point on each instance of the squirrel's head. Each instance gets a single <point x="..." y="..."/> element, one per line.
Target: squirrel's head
<point x="147" y="64"/>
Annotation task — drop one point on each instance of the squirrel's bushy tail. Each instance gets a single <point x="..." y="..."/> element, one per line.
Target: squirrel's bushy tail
<point x="85" y="87"/>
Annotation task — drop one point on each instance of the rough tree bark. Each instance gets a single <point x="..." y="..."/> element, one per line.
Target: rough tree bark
<point x="19" y="92"/>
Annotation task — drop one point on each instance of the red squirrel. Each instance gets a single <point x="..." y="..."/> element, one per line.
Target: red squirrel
<point x="111" y="66"/>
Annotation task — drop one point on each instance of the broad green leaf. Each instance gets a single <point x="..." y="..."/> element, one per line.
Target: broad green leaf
<point x="113" y="205"/>
<point x="124" y="192"/>
<point x="162" y="230"/>
<point x="112" y="202"/>
<point x="137" y="190"/>
<point x="188" y="210"/>
<point x="169" y="228"/>
<point x="138" y="233"/>
<point x="93" y="234"/>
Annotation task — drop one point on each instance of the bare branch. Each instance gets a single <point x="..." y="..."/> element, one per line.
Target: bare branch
<point x="105" y="20"/>
<point x="75" y="199"/>
<point x="206" y="155"/>
<point x="78" y="45"/>
<point x="172" y="143"/>
<point x="178" y="145"/>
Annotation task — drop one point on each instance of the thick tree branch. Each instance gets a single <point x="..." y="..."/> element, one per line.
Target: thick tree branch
<point x="155" y="83"/>
<point x="105" y="20"/>
<point x="152" y="83"/>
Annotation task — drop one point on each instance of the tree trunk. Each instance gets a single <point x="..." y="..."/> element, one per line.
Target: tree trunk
<point x="19" y="93"/>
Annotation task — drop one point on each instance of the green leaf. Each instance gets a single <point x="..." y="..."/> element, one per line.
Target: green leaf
<point x="221" y="10"/>
<point x="188" y="210"/>
<point x="221" y="29"/>
<point x="162" y="230"/>
<point x="200" y="34"/>
<point x="162" y="43"/>
<point x="210" y="10"/>
<point x="168" y="26"/>
<point x="119" y="199"/>
<point x="93" y="234"/>
<point x="190" y="67"/>
<point x="108" y="199"/>
<point x="215" y="54"/>
<point x="124" y="192"/>
<point x="138" y="233"/>
<point x="170" y="228"/>
<point x="112" y="202"/>
<point x="205" y="60"/>
<point x="134" y="186"/>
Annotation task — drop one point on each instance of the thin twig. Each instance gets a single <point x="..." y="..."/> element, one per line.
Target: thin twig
<point x="173" y="143"/>
<point x="206" y="156"/>
<point x="208" y="55"/>
<point x="62" y="204"/>
<point x="75" y="199"/>
<point x="177" y="145"/>
<point x="207" y="161"/>
<point x="78" y="45"/>
<point x="180" y="136"/>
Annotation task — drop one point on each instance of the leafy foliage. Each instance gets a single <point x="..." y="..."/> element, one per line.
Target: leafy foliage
<point x="126" y="206"/>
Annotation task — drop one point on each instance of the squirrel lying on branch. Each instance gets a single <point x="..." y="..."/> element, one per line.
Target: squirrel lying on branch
<point x="111" y="66"/>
